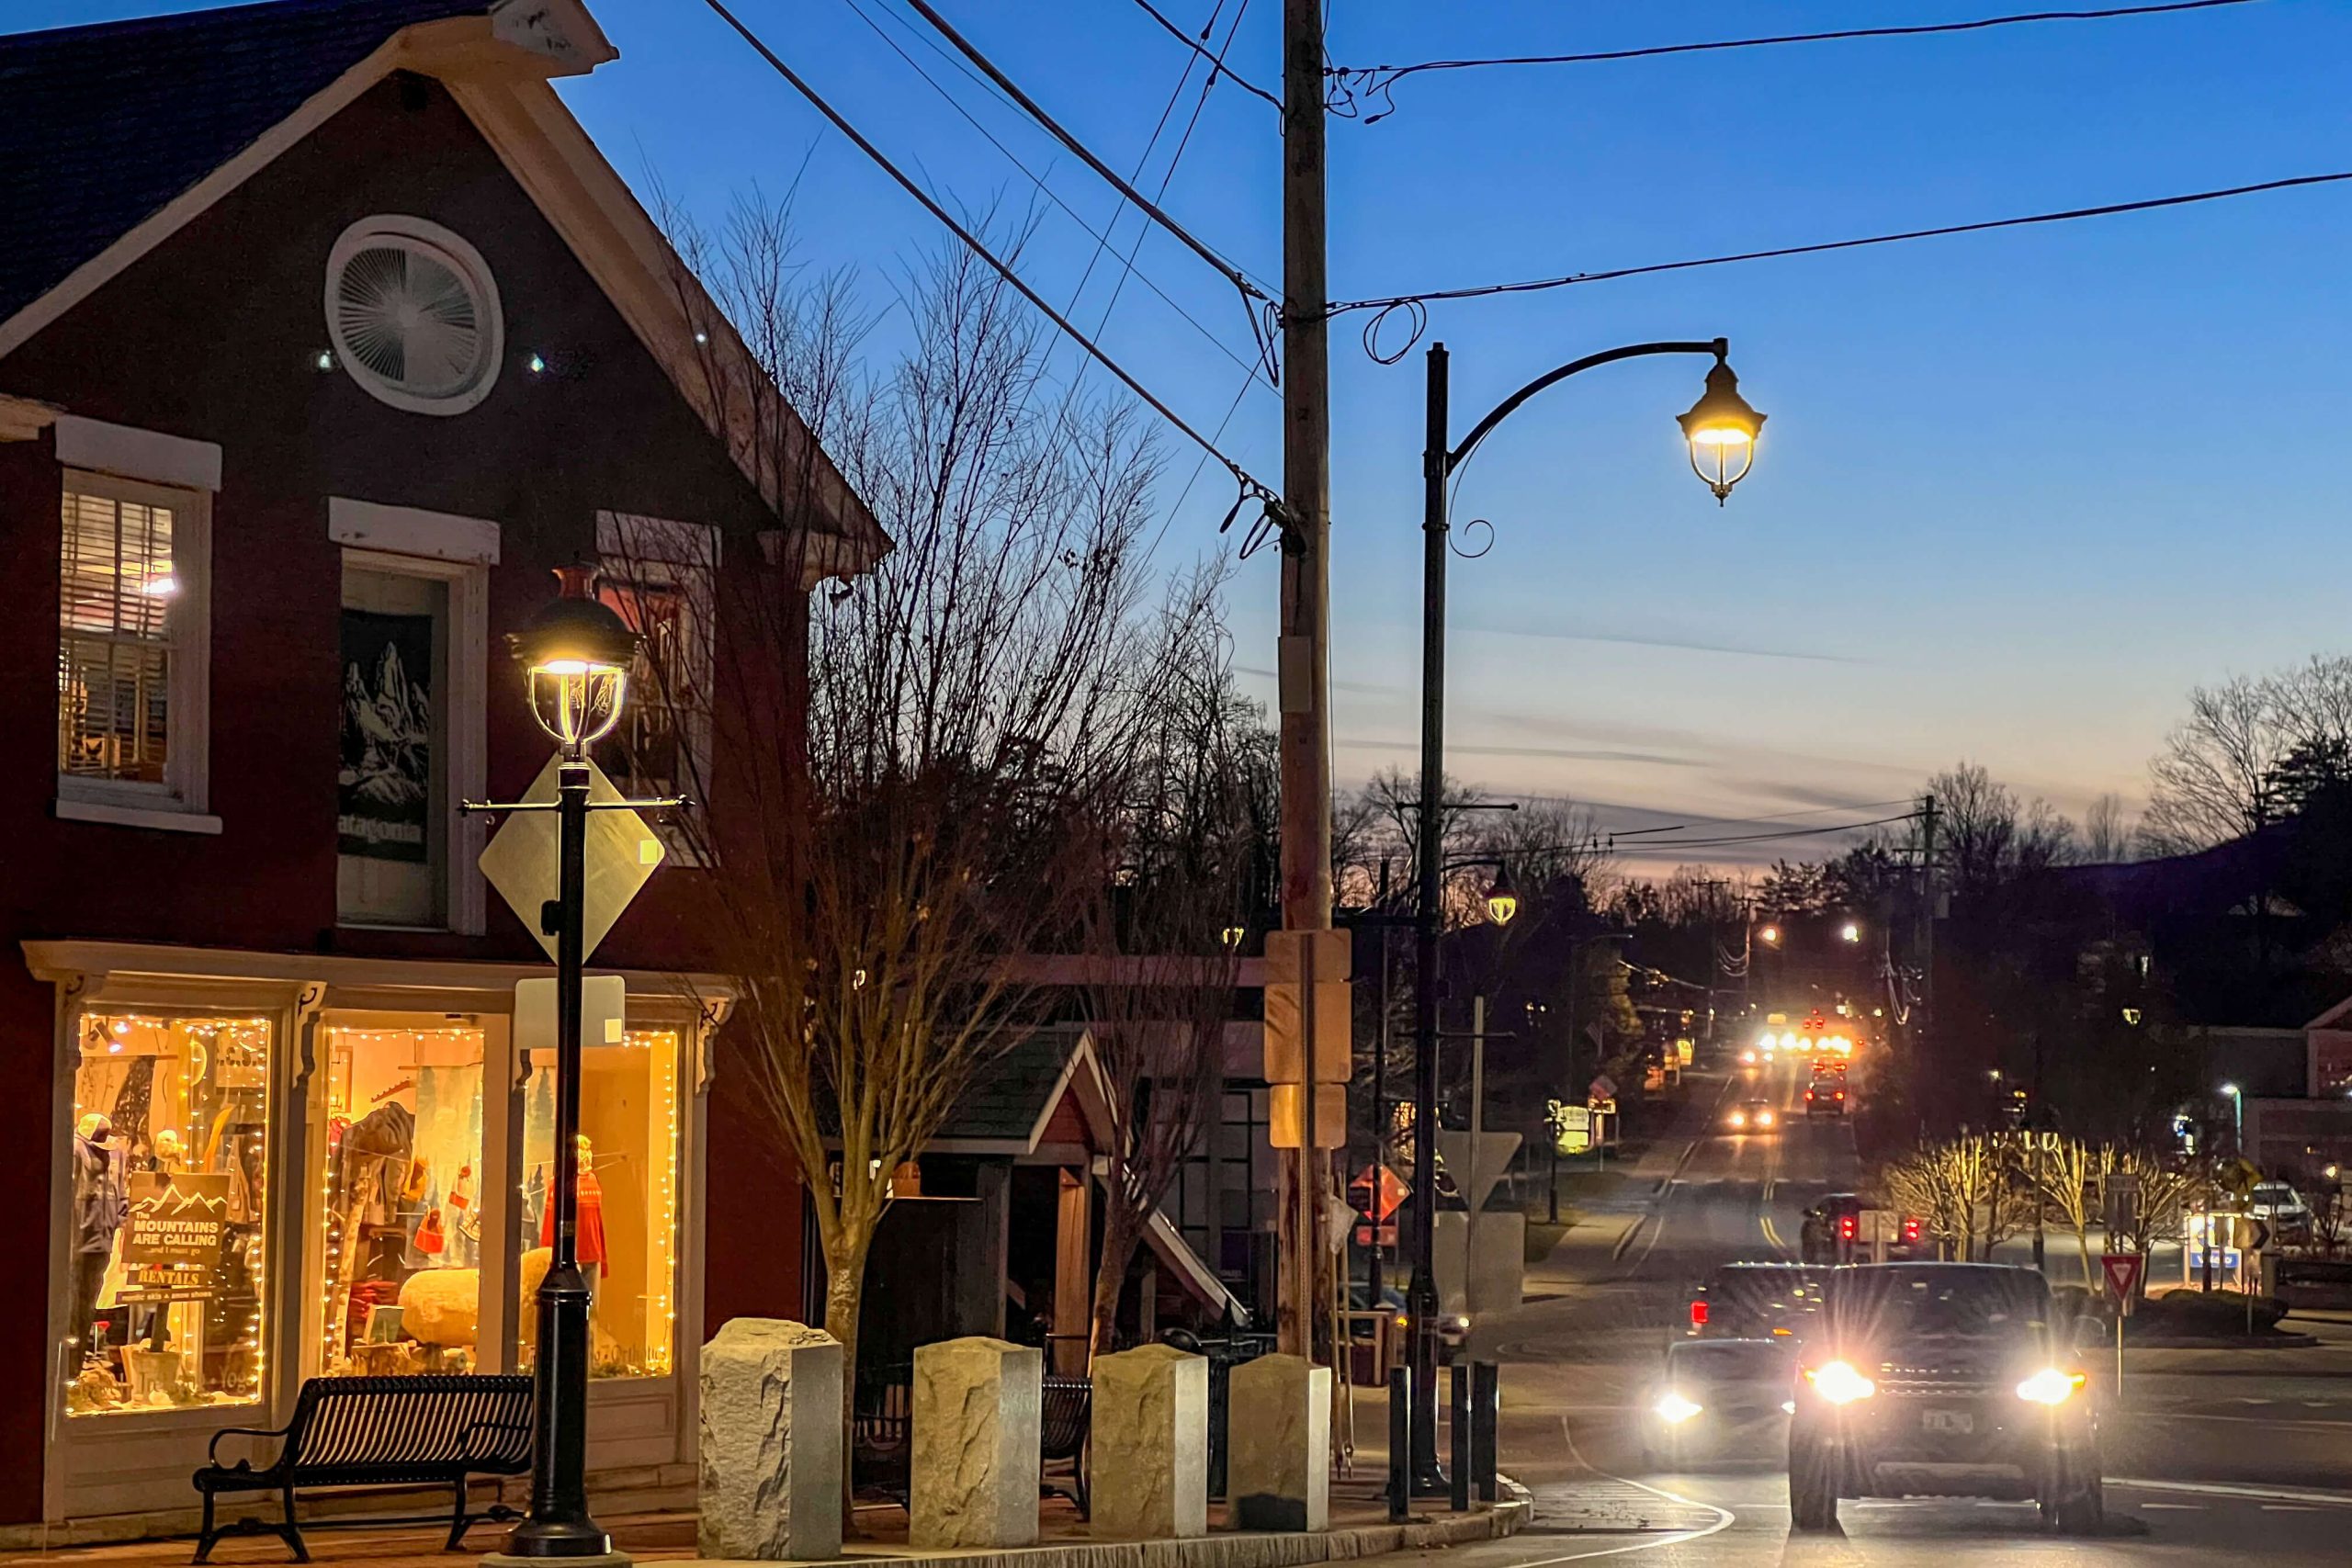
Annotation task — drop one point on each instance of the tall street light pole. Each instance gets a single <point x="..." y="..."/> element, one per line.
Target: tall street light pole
<point x="1721" y="429"/>
<point x="575" y="654"/>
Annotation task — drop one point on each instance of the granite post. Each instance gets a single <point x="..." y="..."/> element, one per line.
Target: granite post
<point x="1147" y="1459"/>
<point x="978" y="1406"/>
<point x="771" y="1486"/>
<point x="1278" y="1445"/>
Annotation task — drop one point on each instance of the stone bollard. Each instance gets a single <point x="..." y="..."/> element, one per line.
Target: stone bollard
<point x="1278" y="1445"/>
<point x="1147" y="1459"/>
<point x="771" y="1442"/>
<point x="977" y="1407"/>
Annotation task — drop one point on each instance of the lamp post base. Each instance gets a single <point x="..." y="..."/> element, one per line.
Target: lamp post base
<point x="605" y="1559"/>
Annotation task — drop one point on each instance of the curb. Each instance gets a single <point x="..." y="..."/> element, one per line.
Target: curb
<point x="1505" y="1518"/>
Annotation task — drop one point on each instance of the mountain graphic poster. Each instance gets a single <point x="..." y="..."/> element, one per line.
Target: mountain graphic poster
<point x="384" y="794"/>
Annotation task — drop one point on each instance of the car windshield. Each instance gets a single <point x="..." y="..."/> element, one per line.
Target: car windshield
<point x="1729" y="1360"/>
<point x="1939" y="1302"/>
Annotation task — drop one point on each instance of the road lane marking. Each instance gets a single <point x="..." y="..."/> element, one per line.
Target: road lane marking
<point x="2175" y="1507"/>
<point x="1723" y="1516"/>
<point x="2228" y="1489"/>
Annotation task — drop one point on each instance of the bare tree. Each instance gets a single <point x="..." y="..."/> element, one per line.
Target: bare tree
<point x="974" y="699"/>
<point x="1963" y="1189"/>
<point x="1161" y="960"/>
<point x="2211" y="781"/>
<point x="2066" y="1171"/>
<point x="2108" y="833"/>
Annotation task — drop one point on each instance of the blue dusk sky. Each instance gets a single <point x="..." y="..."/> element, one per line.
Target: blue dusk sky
<point x="2019" y="490"/>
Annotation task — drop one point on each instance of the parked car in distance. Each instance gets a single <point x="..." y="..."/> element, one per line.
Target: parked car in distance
<point x="2278" y="1203"/>
<point x="1721" y="1400"/>
<point x="1943" y="1380"/>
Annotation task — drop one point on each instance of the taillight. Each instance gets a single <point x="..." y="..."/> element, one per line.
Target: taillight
<point x="1848" y="1227"/>
<point x="1842" y="1094"/>
<point x="1698" y="1315"/>
<point x="1910" y="1228"/>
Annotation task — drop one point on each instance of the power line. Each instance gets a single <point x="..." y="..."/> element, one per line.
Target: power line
<point x="1351" y="82"/>
<point x="1252" y="487"/>
<point x="1532" y="286"/>
<point x="1216" y="62"/>
<point x="1789" y="833"/>
<point x="988" y="67"/>
<point x="1713" y="824"/>
<point x="1101" y="236"/>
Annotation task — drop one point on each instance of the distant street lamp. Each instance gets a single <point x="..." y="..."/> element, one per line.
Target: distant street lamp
<point x="2237" y="1118"/>
<point x="1720" y="431"/>
<point x="1850" y="931"/>
<point x="1769" y="935"/>
<point x="1502" y="899"/>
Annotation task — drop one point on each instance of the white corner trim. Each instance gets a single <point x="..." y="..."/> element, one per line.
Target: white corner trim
<point x="133" y="454"/>
<point x="136" y="816"/>
<point x="406" y="531"/>
<point x="23" y="419"/>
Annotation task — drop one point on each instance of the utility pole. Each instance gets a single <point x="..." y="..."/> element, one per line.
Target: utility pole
<point x="1303" y="660"/>
<point x="1926" y="919"/>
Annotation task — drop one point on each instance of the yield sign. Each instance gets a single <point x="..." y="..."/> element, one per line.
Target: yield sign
<point x="520" y="859"/>
<point x="2123" y="1272"/>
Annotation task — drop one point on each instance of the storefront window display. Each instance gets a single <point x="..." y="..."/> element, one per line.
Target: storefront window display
<point x="399" y="1277"/>
<point x="169" y="1161"/>
<point x="629" y="1197"/>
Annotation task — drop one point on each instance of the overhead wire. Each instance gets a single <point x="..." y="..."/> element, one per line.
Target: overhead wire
<point x="1099" y="235"/>
<point x="964" y="46"/>
<point x="1789" y="833"/>
<point x="1349" y="82"/>
<point x="1218" y="66"/>
<point x="1252" y="487"/>
<point x="1396" y="301"/>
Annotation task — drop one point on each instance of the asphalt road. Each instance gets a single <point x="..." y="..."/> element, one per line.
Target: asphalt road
<point x="2247" y="1458"/>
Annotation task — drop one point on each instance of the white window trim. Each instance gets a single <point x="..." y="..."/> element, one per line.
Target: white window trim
<point x="134" y="454"/>
<point x="406" y="531"/>
<point x="187" y="767"/>
<point x="466" y="718"/>
<point x="665" y="553"/>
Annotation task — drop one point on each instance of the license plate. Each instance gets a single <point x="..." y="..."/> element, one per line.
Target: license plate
<point x="1947" y="1421"/>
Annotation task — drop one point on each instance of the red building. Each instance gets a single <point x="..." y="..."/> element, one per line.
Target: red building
<point x="325" y="332"/>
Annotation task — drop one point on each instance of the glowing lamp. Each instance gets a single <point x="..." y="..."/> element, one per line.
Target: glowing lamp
<point x="1769" y="935"/>
<point x="1722" y="428"/>
<point x="576" y="653"/>
<point x="1502" y="899"/>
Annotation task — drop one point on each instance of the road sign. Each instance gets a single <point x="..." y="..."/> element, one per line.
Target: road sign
<point x="1377" y="1195"/>
<point x="622" y="853"/>
<point x="2123" y="1272"/>
<point x="1604" y="1088"/>
<point x="1475" y="1177"/>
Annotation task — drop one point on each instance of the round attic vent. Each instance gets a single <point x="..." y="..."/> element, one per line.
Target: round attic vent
<point x="412" y="313"/>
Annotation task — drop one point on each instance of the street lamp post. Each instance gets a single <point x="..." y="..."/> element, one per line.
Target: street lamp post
<point x="1721" y="429"/>
<point x="575" y="654"/>
<point x="2237" y="1118"/>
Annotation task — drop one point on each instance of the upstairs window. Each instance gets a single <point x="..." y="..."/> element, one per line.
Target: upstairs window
<point x="660" y="576"/>
<point x="130" y="646"/>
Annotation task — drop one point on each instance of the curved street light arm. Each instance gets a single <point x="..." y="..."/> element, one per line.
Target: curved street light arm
<point x="1719" y="347"/>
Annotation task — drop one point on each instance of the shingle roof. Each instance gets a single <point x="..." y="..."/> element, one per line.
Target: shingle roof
<point x="1008" y="1095"/>
<point x="105" y="124"/>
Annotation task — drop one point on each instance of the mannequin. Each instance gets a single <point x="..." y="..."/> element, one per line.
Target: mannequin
<point x="592" y="1217"/>
<point x="99" y="1206"/>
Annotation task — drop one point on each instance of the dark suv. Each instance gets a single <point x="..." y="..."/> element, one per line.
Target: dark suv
<point x="1942" y="1380"/>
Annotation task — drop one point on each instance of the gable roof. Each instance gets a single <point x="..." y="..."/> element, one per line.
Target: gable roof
<point x="117" y="134"/>
<point x="106" y="124"/>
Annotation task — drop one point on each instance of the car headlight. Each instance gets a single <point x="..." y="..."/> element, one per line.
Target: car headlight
<point x="1748" y="1057"/>
<point x="1453" y="1322"/>
<point x="2050" y="1386"/>
<point x="1841" y="1384"/>
<point x="1740" y="1118"/>
<point x="1788" y="1407"/>
<point x="1763" y="1119"/>
<point x="1674" y="1410"/>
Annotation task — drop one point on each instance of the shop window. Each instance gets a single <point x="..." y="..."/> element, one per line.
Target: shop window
<point x="168" y="1157"/>
<point x="629" y="1197"/>
<point x="391" y="803"/>
<point x="397" y="1272"/>
<point x="131" y="645"/>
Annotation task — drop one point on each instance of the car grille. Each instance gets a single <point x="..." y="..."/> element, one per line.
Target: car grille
<point x="1905" y="1384"/>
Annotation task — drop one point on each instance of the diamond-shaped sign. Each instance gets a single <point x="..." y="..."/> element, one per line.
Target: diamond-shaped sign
<point x="622" y="853"/>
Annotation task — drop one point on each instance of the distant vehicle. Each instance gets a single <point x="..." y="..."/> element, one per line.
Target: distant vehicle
<point x="1832" y="1232"/>
<point x="1719" y="1400"/>
<point x="1752" y="1116"/>
<point x="2278" y="1203"/>
<point x="1452" y="1328"/>
<point x="1943" y="1380"/>
<point x="1826" y="1097"/>
<point x="1831" y="1066"/>
<point x="1758" y="1301"/>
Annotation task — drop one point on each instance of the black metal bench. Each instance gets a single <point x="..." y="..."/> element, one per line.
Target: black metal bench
<point x="1065" y="1417"/>
<point x="434" y="1430"/>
